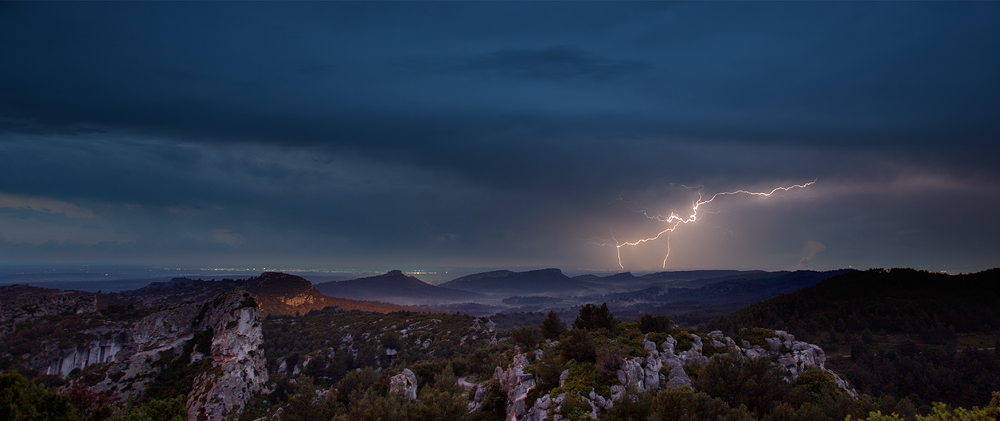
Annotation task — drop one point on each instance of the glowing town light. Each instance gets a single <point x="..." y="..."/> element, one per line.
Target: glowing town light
<point x="674" y="220"/>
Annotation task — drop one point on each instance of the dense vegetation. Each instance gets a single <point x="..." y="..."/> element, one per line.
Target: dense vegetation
<point x="926" y="337"/>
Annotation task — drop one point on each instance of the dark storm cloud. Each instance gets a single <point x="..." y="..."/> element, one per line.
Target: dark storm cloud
<point x="558" y="62"/>
<point x="484" y="130"/>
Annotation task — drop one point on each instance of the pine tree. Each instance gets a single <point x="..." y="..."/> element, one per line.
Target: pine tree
<point x="552" y="326"/>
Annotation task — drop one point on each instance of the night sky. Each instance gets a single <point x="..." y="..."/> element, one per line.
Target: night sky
<point x="516" y="134"/>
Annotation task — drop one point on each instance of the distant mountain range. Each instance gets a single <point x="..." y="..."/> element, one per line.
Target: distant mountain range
<point x="396" y="287"/>
<point x="532" y="282"/>
<point x="707" y="291"/>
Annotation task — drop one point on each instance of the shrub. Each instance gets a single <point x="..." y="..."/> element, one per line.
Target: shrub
<point x="574" y="408"/>
<point x="22" y="399"/>
<point x="609" y="361"/>
<point x="681" y="403"/>
<point x="659" y="323"/>
<point x="755" y="335"/>
<point x="593" y="317"/>
<point x="527" y="337"/>
<point x="577" y="344"/>
<point x="739" y="380"/>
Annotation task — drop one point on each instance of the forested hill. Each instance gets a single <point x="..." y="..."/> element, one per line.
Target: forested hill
<point x="916" y="336"/>
<point x="896" y="301"/>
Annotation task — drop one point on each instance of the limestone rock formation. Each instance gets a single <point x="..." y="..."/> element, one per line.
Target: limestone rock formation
<point x="96" y="352"/>
<point x="233" y="360"/>
<point x="238" y="366"/>
<point x="662" y="367"/>
<point x="404" y="384"/>
<point x="516" y="383"/>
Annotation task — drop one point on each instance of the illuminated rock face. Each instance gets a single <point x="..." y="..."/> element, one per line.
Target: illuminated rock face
<point x="298" y="300"/>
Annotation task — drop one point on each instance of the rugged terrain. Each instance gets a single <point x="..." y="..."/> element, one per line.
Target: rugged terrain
<point x="224" y="357"/>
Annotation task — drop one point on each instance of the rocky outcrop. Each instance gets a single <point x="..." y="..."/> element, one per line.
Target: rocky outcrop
<point x="232" y="361"/>
<point x="238" y="366"/>
<point x="404" y="384"/>
<point x="97" y="352"/>
<point x="793" y="356"/>
<point x="662" y="367"/>
<point x="516" y="383"/>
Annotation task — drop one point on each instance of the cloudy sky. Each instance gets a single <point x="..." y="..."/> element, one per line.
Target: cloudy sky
<point x="515" y="134"/>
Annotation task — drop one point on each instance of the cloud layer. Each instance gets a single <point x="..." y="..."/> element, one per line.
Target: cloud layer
<point x="496" y="134"/>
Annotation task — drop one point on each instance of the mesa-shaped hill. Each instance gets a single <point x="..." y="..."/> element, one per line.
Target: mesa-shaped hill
<point x="396" y="287"/>
<point x="624" y="281"/>
<point x="532" y="282"/>
<point x="276" y="292"/>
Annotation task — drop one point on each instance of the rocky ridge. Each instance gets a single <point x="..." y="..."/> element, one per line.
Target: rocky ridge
<point x="22" y="303"/>
<point x="231" y="364"/>
<point x="646" y="374"/>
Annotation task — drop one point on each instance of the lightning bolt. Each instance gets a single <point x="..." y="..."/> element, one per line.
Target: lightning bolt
<point x="674" y="220"/>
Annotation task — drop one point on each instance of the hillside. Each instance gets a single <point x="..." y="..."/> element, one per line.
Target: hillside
<point x="743" y="289"/>
<point x="276" y="292"/>
<point x="395" y="287"/>
<point x="897" y="301"/>
<point x="901" y="332"/>
<point x="730" y="291"/>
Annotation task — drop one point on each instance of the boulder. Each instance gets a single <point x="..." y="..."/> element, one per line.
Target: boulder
<point x="404" y="384"/>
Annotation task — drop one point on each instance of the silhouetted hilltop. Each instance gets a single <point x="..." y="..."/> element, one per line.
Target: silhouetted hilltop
<point x="396" y="287"/>
<point x="532" y="282"/>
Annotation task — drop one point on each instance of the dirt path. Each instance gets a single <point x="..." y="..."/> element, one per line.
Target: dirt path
<point x="462" y="382"/>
